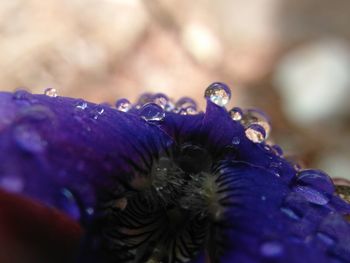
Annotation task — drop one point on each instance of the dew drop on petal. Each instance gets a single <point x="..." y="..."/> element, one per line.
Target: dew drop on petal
<point x="277" y="150"/>
<point x="316" y="179"/>
<point x="185" y="103"/>
<point x="236" y="140"/>
<point x="28" y="139"/>
<point x="21" y="94"/>
<point x="96" y="112"/>
<point x="312" y="195"/>
<point x="81" y="105"/>
<point x="290" y="213"/>
<point x="144" y="99"/>
<point x="255" y="133"/>
<point x="218" y="93"/>
<point x="90" y="211"/>
<point x="69" y="204"/>
<point x="271" y="249"/>
<point x="256" y="116"/>
<point x="325" y="238"/>
<point x="188" y="111"/>
<point x="152" y="112"/>
<point x="123" y="105"/>
<point x="161" y="100"/>
<point x="51" y="92"/>
<point x="236" y="114"/>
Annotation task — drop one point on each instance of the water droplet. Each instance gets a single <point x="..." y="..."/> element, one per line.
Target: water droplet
<point x="121" y="203"/>
<point x="277" y="150"/>
<point x="90" y="211"/>
<point x="144" y="99"/>
<point x="160" y="99"/>
<point x="188" y="111"/>
<point x="316" y="179"/>
<point x="69" y="204"/>
<point x="325" y="238"/>
<point x="29" y="139"/>
<point x="123" y="105"/>
<point x="271" y="249"/>
<point x="12" y="183"/>
<point x="81" y="105"/>
<point x="263" y="198"/>
<point x="152" y="112"/>
<point x="256" y="133"/>
<point x="96" y="112"/>
<point x="256" y="116"/>
<point x="236" y="114"/>
<point x="236" y="140"/>
<point x="311" y="195"/>
<point x="185" y="103"/>
<point x="218" y="93"/>
<point x="290" y="213"/>
<point x="21" y="95"/>
<point x="51" y="92"/>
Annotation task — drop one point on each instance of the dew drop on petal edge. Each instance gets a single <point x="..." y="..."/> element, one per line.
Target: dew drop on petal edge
<point x="256" y="133"/>
<point x="152" y="112"/>
<point x="96" y="112"/>
<point x="161" y="100"/>
<point x="123" y="105"/>
<point x="185" y="102"/>
<point x="218" y="93"/>
<point x="236" y="114"/>
<point x="81" y="105"/>
<point x="51" y="92"/>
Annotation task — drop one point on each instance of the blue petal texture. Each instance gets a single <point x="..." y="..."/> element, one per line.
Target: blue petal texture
<point x="154" y="182"/>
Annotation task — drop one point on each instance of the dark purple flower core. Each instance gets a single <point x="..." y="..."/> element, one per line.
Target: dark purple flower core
<point x="159" y="181"/>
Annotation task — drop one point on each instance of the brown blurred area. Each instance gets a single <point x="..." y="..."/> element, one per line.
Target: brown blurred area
<point x="290" y="58"/>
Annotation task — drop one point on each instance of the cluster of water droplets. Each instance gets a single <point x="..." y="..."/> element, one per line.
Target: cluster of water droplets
<point x="255" y="121"/>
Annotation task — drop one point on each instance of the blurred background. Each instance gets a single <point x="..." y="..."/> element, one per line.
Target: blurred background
<point x="290" y="58"/>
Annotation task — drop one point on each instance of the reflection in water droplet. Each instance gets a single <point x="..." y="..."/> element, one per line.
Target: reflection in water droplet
<point x="161" y="100"/>
<point x="96" y="112"/>
<point x="277" y="149"/>
<point x="325" y="238"/>
<point x="290" y="213"/>
<point x="188" y="111"/>
<point x="21" y="94"/>
<point x="69" y="204"/>
<point x="236" y="140"/>
<point x="29" y="139"/>
<point x="256" y="133"/>
<point x="317" y="179"/>
<point x="123" y="105"/>
<point x="51" y="92"/>
<point x="236" y="114"/>
<point x="90" y="211"/>
<point x="12" y="183"/>
<point x="218" y="93"/>
<point x="185" y="103"/>
<point x="271" y="249"/>
<point x="81" y="105"/>
<point x="256" y="116"/>
<point x="144" y="99"/>
<point x="312" y="195"/>
<point x="152" y="112"/>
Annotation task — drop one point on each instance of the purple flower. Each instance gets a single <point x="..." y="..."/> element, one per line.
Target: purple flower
<point x="158" y="181"/>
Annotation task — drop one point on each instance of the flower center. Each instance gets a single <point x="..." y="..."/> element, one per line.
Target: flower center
<point x="167" y="218"/>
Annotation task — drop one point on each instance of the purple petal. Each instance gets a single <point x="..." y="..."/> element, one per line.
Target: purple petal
<point x="68" y="152"/>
